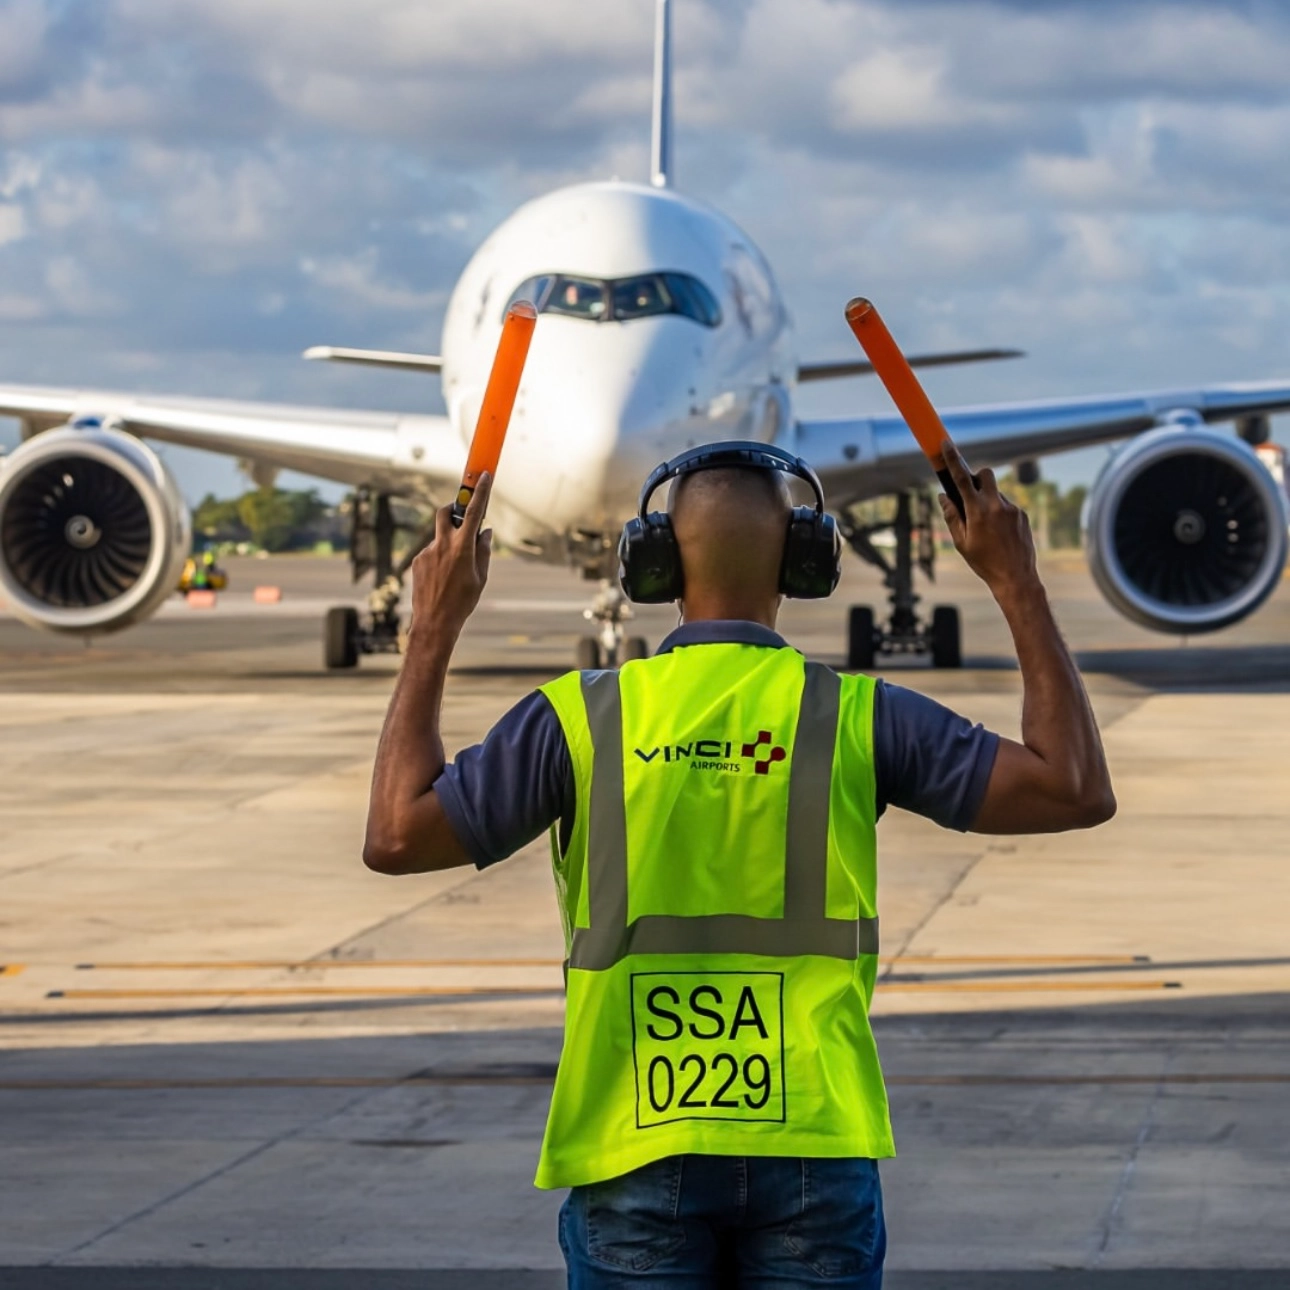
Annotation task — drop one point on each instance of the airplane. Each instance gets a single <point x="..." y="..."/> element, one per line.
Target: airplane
<point x="661" y="327"/>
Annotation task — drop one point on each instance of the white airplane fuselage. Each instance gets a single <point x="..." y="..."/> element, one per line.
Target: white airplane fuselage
<point x="603" y="401"/>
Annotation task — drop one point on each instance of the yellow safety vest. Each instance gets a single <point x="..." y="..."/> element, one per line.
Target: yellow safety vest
<point x="718" y="894"/>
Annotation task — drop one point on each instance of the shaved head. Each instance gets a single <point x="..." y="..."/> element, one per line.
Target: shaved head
<point x="730" y="525"/>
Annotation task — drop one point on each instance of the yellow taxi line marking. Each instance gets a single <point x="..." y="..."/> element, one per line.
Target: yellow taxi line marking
<point x="329" y="964"/>
<point x="382" y="1081"/>
<point x="251" y="965"/>
<point x="1033" y="987"/>
<point x="500" y="991"/>
<point x="957" y="959"/>
<point x="276" y="992"/>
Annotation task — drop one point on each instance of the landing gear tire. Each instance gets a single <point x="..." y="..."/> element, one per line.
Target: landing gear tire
<point x="862" y="638"/>
<point x="588" y="654"/>
<point x="635" y="647"/>
<point x="906" y="631"/>
<point x="340" y="638"/>
<point x="945" y="637"/>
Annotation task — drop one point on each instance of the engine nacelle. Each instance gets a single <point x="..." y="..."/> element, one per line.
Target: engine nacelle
<point x="93" y="531"/>
<point x="1186" y="530"/>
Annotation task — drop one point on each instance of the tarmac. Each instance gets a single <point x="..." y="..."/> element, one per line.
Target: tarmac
<point x="233" y="1059"/>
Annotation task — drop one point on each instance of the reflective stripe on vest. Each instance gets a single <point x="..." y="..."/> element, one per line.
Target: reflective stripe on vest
<point x="804" y="928"/>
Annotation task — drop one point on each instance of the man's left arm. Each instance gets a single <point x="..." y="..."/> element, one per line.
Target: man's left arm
<point x="408" y="830"/>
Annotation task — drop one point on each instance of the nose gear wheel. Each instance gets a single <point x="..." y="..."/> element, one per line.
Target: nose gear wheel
<point x="611" y="646"/>
<point x="905" y="631"/>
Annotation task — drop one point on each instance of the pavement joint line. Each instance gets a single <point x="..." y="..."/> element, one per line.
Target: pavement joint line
<point x="396" y="915"/>
<point x="1111" y="1219"/>
<point x="234" y="1082"/>
<point x="930" y="914"/>
<point x="195" y="1184"/>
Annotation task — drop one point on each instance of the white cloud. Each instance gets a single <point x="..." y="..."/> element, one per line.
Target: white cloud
<point x="193" y="190"/>
<point x="13" y="223"/>
<point x="893" y="88"/>
<point x="17" y="308"/>
<point x="74" y="292"/>
<point x="357" y="279"/>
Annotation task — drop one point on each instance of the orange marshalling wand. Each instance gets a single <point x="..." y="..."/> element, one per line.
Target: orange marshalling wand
<point x="907" y="394"/>
<point x="499" y="399"/>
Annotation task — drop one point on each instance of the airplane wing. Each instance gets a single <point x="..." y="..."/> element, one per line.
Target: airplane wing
<point x="875" y="456"/>
<point x="384" y="449"/>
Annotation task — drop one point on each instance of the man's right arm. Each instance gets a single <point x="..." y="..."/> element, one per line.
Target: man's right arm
<point x="1056" y="778"/>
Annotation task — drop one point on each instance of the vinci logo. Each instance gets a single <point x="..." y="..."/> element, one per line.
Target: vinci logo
<point x="764" y="752"/>
<point x="718" y="754"/>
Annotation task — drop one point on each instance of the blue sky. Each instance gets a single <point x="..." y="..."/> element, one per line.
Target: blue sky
<point x="193" y="191"/>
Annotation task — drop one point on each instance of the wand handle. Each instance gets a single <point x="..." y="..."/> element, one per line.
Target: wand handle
<point x="499" y="399"/>
<point x="906" y="392"/>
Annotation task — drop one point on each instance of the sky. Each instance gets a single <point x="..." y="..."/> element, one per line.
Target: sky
<point x="193" y="191"/>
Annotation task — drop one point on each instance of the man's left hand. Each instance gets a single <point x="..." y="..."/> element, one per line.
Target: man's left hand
<point x="448" y="577"/>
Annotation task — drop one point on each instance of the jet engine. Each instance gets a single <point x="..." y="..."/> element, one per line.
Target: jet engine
<point x="93" y="531"/>
<point x="1186" y="530"/>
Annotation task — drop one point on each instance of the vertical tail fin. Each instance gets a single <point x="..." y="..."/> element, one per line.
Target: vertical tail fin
<point x="661" y="151"/>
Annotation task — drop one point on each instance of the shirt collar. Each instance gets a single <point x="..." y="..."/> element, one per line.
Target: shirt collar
<point x="721" y="631"/>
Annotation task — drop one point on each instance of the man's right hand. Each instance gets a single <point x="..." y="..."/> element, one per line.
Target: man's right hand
<point x="448" y="577"/>
<point x="992" y="535"/>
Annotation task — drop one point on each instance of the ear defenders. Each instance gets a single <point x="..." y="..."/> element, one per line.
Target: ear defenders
<point x="649" y="559"/>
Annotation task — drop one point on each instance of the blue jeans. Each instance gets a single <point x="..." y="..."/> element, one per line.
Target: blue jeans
<point x="721" y="1222"/>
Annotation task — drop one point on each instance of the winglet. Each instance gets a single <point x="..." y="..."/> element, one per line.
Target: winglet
<point x="661" y="151"/>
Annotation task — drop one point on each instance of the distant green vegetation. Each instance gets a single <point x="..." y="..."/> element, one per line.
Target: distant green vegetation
<point x="271" y="519"/>
<point x="1054" y="515"/>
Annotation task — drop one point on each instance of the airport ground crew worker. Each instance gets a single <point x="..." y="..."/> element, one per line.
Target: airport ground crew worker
<point x="719" y="1109"/>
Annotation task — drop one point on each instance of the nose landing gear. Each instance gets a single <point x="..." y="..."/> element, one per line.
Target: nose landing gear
<point x="905" y="632"/>
<point x="611" y="645"/>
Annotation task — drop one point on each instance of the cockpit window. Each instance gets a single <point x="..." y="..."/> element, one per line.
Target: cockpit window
<point x="640" y="297"/>
<point x="691" y="298"/>
<point x="534" y="290"/>
<point x="577" y="297"/>
<point x="645" y="295"/>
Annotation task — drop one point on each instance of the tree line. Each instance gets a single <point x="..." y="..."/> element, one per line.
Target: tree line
<point x="273" y="519"/>
<point x="1054" y="514"/>
<point x="280" y="519"/>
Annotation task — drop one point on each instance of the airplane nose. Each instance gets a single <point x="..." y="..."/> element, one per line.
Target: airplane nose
<point x="596" y="404"/>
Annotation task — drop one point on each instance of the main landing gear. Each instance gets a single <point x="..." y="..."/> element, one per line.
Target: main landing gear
<point x="905" y="632"/>
<point x="349" y="634"/>
<point x="346" y="634"/>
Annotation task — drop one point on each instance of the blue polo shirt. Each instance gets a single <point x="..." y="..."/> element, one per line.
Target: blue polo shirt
<point x="501" y="794"/>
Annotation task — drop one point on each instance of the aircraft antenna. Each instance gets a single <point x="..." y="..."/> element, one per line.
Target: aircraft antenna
<point x="661" y="152"/>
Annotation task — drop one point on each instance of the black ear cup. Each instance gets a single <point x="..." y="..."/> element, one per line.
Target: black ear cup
<point x="649" y="560"/>
<point x="812" y="561"/>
